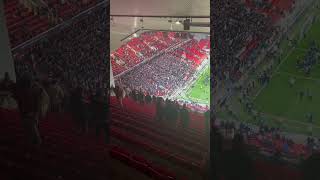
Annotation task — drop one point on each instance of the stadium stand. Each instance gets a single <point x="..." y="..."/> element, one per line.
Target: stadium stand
<point x="55" y="54"/>
<point x="22" y="23"/>
<point x="26" y="19"/>
<point x="140" y="49"/>
<point x="67" y="56"/>
<point x="167" y="71"/>
<point x="253" y="26"/>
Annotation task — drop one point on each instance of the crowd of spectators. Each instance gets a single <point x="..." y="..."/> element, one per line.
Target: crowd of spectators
<point x="271" y="140"/>
<point x="310" y="59"/>
<point x="66" y="70"/>
<point x="167" y="72"/>
<point x="232" y="160"/>
<point x="191" y="52"/>
<point x="143" y="47"/>
<point x="167" y="111"/>
<point x="246" y="29"/>
<point x="35" y="98"/>
<point x="159" y="76"/>
<point x="259" y="4"/>
<point x="74" y="55"/>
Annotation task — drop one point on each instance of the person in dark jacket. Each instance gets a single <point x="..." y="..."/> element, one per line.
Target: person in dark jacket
<point x="175" y="113"/>
<point x="101" y="114"/>
<point x="310" y="167"/>
<point x="207" y="121"/>
<point x="141" y="96"/>
<point x="120" y="94"/>
<point x="236" y="163"/>
<point x="185" y="117"/>
<point x="6" y="83"/>
<point x="167" y="110"/>
<point x="148" y="98"/>
<point x="28" y="97"/>
<point x="159" y="109"/>
<point x="78" y="109"/>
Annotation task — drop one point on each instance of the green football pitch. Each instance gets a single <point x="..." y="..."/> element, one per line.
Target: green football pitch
<point x="281" y="101"/>
<point x="280" y="104"/>
<point x="199" y="92"/>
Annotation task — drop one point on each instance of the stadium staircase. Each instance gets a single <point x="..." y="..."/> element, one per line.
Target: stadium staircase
<point x="150" y="149"/>
<point x="181" y="151"/>
<point x="140" y="147"/>
<point x="65" y="154"/>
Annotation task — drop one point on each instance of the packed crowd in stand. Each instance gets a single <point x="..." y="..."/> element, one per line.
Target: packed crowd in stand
<point x="159" y="76"/>
<point x="66" y="9"/>
<point x="246" y="29"/>
<point x="26" y="20"/>
<point x="23" y="24"/>
<point x="250" y="28"/>
<point x="139" y="49"/>
<point x="232" y="159"/>
<point x="68" y="55"/>
<point x="259" y="4"/>
<point x="64" y="71"/>
<point x="164" y="73"/>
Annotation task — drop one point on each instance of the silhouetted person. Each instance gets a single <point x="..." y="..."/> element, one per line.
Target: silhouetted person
<point x="120" y="94"/>
<point x="185" y="117"/>
<point x="133" y="95"/>
<point x="148" y="98"/>
<point x="159" y="109"/>
<point x="44" y="102"/>
<point x="28" y="95"/>
<point x="141" y="97"/>
<point x="56" y="96"/>
<point x="215" y="152"/>
<point x="175" y="113"/>
<point x="167" y="108"/>
<point x="311" y="167"/>
<point x="6" y="83"/>
<point x="101" y="114"/>
<point x="236" y="163"/>
<point x="78" y="109"/>
<point x="207" y="121"/>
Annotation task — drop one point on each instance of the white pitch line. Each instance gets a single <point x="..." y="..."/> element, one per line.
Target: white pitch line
<point x="302" y="49"/>
<point x="297" y="76"/>
<point x="291" y="120"/>
<point x="276" y="70"/>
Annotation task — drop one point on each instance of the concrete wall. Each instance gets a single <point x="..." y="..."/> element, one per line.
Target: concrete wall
<point x="111" y="77"/>
<point x="6" y="61"/>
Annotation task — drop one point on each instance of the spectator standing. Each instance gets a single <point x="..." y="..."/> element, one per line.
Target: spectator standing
<point x="29" y="96"/>
<point x="101" y="116"/>
<point x="185" y="117"/>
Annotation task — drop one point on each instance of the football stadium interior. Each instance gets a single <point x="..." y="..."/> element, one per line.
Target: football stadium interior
<point x="267" y="83"/>
<point x="134" y="89"/>
<point x="160" y="69"/>
<point x="55" y="105"/>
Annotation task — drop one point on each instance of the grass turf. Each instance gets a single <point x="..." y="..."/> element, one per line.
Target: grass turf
<point x="280" y="101"/>
<point x="200" y="90"/>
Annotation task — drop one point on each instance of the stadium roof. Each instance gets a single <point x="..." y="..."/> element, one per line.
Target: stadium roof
<point x="121" y="27"/>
